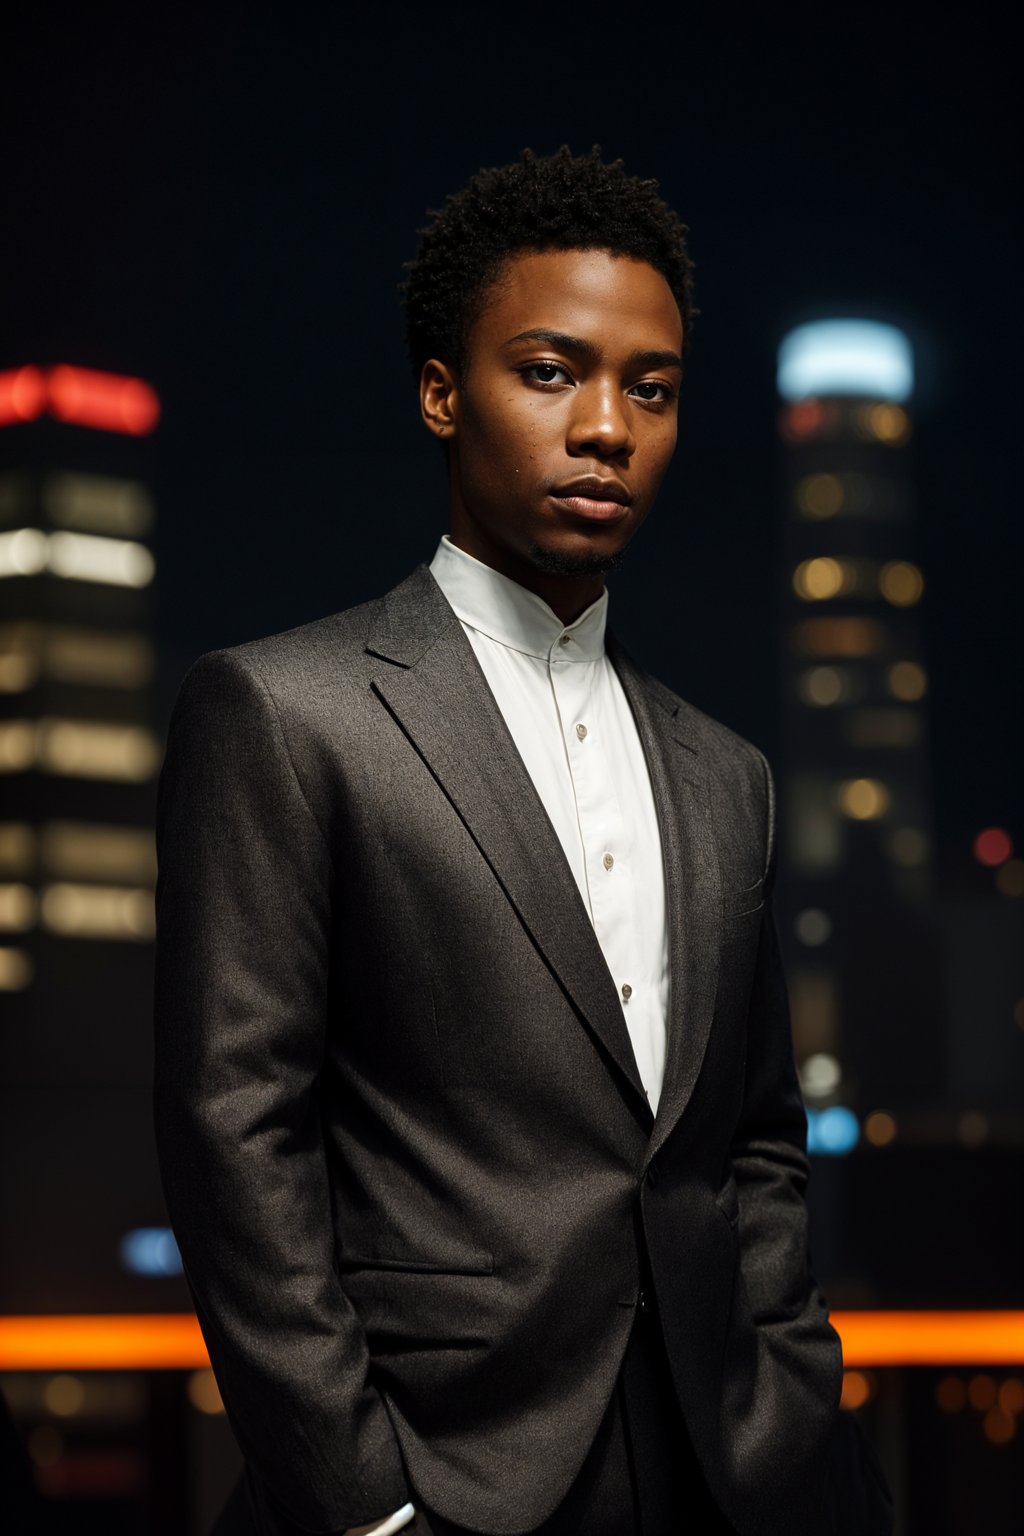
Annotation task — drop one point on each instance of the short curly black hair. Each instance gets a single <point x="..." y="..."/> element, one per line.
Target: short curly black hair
<point x="556" y="202"/>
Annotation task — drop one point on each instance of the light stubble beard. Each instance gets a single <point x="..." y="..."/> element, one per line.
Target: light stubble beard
<point x="553" y="562"/>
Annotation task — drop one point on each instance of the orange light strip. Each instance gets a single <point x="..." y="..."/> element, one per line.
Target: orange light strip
<point x="172" y="1341"/>
<point x="117" y="1342"/>
<point x="87" y="397"/>
<point x="931" y="1338"/>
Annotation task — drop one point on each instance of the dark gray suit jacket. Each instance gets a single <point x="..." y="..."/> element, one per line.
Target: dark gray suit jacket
<point x="402" y="1134"/>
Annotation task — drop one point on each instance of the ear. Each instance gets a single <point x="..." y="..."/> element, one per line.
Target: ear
<point x="439" y="399"/>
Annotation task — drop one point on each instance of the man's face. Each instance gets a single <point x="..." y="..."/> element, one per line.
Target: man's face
<point x="564" y="423"/>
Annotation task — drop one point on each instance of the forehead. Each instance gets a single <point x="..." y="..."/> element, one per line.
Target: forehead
<point x="616" y="301"/>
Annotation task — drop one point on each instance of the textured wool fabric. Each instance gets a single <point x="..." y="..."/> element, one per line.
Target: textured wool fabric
<point x="404" y="1144"/>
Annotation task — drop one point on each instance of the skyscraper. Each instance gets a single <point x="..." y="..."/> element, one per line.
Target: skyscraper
<point x="78" y="764"/>
<point x="855" y="803"/>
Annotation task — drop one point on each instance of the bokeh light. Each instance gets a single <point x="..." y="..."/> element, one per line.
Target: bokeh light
<point x="900" y="583"/>
<point x="880" y="1128"/>
<point x="863" y="799"/>
<point x="992" y="846"/>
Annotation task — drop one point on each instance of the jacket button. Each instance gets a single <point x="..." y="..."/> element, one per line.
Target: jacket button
<point x="641" y="1300"/>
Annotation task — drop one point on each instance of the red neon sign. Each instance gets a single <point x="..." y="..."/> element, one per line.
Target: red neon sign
<point x="86" y="397"/>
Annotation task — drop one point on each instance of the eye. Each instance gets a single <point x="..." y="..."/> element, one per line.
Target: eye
<point x="544" y="373"/>
<point x="667" y="392"/>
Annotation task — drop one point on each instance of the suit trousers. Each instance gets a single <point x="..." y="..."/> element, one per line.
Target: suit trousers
<point x="639" y="1478"/>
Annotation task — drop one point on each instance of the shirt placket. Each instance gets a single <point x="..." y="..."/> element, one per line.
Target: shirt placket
<point x="599" y="816"/>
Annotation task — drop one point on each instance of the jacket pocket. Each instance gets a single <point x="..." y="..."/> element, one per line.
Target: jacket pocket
<point x="739" y="903"/>
<point x="478" y="1263"/>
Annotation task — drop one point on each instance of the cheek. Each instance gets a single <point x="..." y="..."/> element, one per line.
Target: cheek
<point x="660" y="449"/>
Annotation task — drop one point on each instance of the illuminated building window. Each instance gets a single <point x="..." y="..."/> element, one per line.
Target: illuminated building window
<point x="883" y="728"/>
<point x="813" y="927"/>
<point x="832" y="1132"/>
<point x="105" y="658"/>
<point x="909" y="847"/>
<point x="839" y="637"/>
<point x="900" y="583"/>
<point x="98" y="911"/>
<point x="819" y="496"/>
<point x="20" y="662"/>
<point x="814" y="1008"/>
<point x="87" y="749"/>
<point x="807" y="419"/>
<point x="150" y="1251"/>
<point x="887" y="424"/>
<point x="814" y="831"/>
<point x="1010" y="878"/>
<point x="17" y="745"/>
<point x="820" y="1075"/>
<point x="863" y="799"/>
<point x="99" y="504"/>
<point x="79" y="748"/>
<point x="992" y="846"/>
<point x="80" y="850"/>
<point x="17" y="847"/>
<point x="822" y="496"/>
<point x="815" y="580"/>
<point x="826" y="577"/>
<point x="17" y="907"/>
<point x="907" y="680"/>
<point x="880" y="1128"/>
<point x="23" y="552"/>
<point x="972" y="1128"/>
<point x="15" y="969"/>
<point x="22" y="395"/>
<point x="77" y="556"/>
<point x="94" y="557"/>
<point x="858" y="1388"/>
<point x="824" y="687"/>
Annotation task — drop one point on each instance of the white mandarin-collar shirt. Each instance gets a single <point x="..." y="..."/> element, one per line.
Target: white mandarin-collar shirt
<point x="569" y="717"/>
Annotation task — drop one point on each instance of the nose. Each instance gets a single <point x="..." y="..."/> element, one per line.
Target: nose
<point x="600" y="425"/>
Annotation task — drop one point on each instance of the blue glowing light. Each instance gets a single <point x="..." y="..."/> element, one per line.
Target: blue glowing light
<point x="150" y="1251"/>
<point x="846" y="357"/>
<point x="832" y="1132"/>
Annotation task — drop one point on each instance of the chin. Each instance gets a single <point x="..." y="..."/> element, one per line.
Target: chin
<point x="565" y="562"/>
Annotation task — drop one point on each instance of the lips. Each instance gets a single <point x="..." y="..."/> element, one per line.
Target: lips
<point x="597" y="498"/>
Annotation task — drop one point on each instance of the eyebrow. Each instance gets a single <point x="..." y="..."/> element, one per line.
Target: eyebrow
<point x="651" y="358"/>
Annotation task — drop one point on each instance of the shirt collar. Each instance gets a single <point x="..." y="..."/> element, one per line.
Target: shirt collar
<point x="506" y="612"/>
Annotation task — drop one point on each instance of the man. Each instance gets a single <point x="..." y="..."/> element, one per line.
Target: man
<point x="475" y="1097"/>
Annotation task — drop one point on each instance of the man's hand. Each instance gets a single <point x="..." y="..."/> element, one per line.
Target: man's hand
<point x="395" y="1522"/>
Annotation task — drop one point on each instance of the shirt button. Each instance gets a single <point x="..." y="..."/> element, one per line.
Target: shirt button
<point x="581" y="731"/>
<point x="627" y="991"/>
<point x="607" y="861"/>
<point x="564" y="639"/>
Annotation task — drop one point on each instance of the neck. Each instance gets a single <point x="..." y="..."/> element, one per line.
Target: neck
<point x="567" y="594"/>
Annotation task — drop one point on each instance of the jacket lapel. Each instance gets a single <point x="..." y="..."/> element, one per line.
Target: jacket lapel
<point x="693" y="884"/>
<point x="439" y="696"/>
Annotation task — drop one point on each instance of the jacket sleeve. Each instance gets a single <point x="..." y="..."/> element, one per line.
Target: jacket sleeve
<point x="244" y="912"/>
<point x="769" y="1158"/>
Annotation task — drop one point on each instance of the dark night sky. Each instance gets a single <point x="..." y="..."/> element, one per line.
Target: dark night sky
<point x="221" y="199"/>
